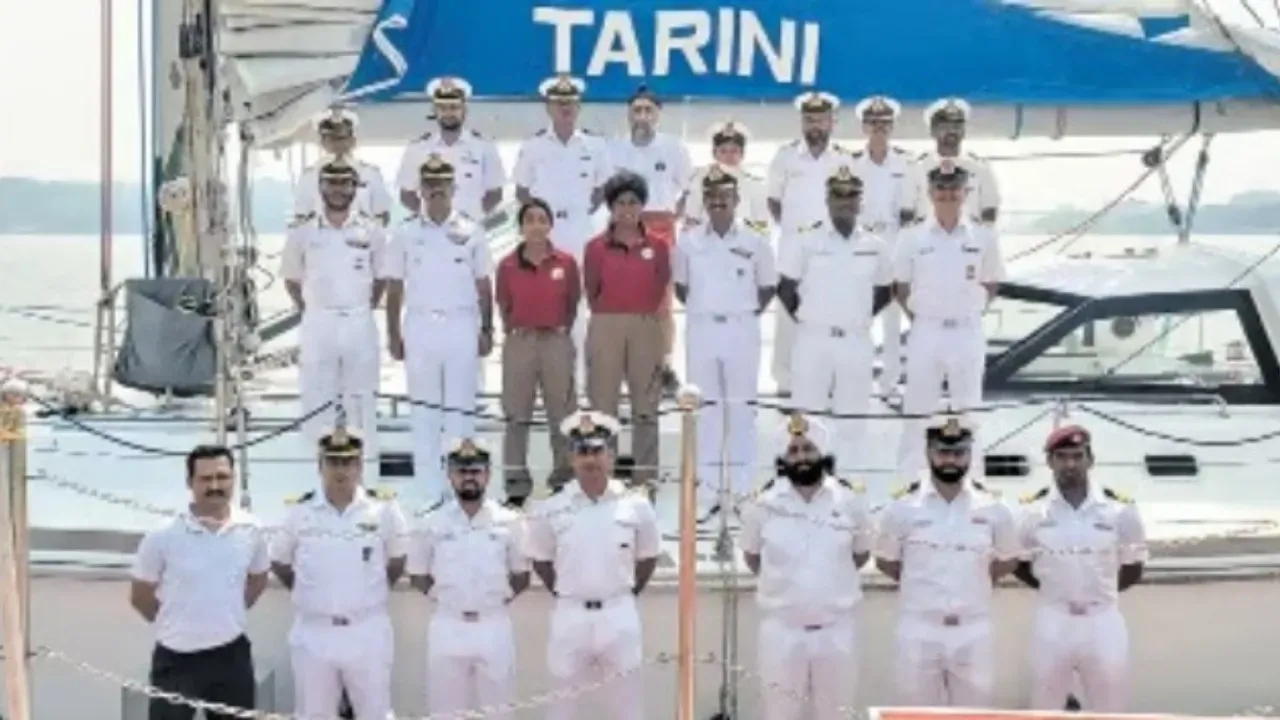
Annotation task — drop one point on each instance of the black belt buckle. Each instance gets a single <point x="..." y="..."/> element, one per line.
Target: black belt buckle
<point x="593" y="604"/>
<point x="951" y="620"/>
<point x="562" y="214"/>
<point x="813" y="628"/>
<point x="471" y="616"/>
<point x="339" y="621"/>
<point x="837" y="333"/>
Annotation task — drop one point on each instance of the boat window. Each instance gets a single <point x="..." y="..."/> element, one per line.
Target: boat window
<point x="1206" y="348"/>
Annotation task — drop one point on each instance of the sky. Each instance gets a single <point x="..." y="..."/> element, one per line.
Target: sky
<point x="51" y="123"/>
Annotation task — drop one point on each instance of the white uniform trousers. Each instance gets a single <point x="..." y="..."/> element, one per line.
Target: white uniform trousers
<point x="942" y="665"/>
<point x="723" y="356"/>
<point x="891" y="347"/>
<point x="951" y="350"/>
<point x="571" y="232"/>
<point x="784" y="337"/>
<point x="801" y="663"/>
<point x="471" y="660"/>
<point x="591" y="640"/>
<point x="328" y="656"/>
<point x="834" y="371"/>
<point x="339" y="363"/>
<point x="1093" y="644"/>
<point x="440" y="363"/>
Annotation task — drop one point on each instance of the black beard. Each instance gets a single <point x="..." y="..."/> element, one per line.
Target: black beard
<point x="450" y="125"/>
<point x="806" y="474"/>
<point x="469" y="493"/>
<point x="948" y="474"/>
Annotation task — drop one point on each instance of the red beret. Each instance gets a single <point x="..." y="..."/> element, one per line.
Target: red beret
<point x="1067" y="436"/>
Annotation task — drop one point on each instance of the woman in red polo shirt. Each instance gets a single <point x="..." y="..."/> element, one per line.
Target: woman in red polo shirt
<point x="537" y="291"/>
<point x="625" y="278"/>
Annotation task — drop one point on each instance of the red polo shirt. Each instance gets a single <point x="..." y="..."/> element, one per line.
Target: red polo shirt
<point x="537" y="297"/>
<point x="626" y="280"/>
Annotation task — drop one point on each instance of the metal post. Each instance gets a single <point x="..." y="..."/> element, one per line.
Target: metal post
<point x="728" y="571"/>
<point x="104" y="324"/>
<point x="689" y="400"/>
<point x="13" y="550"/>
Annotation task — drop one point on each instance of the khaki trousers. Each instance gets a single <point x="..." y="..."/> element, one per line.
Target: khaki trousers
<point x="534" y="360"/>
<point x="628" y="347"/>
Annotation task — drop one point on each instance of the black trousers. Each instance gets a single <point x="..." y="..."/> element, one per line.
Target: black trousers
<point x="222" y="674"/>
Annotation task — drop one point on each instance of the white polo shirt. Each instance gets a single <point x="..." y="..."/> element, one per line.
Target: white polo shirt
<point x="724" y="274"/>
<point x="837" y="275"/>
<point x="477" y="167"/>
<point x="336" y="266"/>
<point x="946" y="270"/>
<point x="664" y="164"/>
<point x="200" y="576"/>
<point x="372" y="198"/>
<point x="439" y="262"/>
<point x="798" y="180"/>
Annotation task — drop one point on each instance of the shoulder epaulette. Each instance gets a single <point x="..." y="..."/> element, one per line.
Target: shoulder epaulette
<point x="475" y="133"/>
<point x="764" y="488"/>
<point x="923" y="156"/>
<point x="304" y="497"/>
<point x="756" y="225"/>
<point x="750" y="175"/>
<point x="794" y="143"/>
<point x="425" y="136"/>
<point x="897" y="149"/>
<point x="852" y="485"/>
<point x="540" y="133"/>
<point x="302" y="219"/>
<point x="1038" y="495"/>
<point x="839" y="148"/>
<point x="810" y="228"/>
<point x="381" y="493"/>
<point x="1117" y="496"/>
<point x="906" y="490"/>
<point x="439" y="504"/>
<point x="857" y="154"/>
<point x="990" y="491"/>
<point x="586" y="131"/>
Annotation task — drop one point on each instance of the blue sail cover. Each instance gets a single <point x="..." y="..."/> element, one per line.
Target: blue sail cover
<point x="986" y="51"/>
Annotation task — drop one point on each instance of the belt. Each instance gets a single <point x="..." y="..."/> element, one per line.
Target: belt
<point x="725" y="319"/>
<point x="537" y="331"/>
<point x="438" y="313"/>
<point x="948" y="323"/>
<point x="948" y="619"/>
<point x="345" y="311"/>
<point x="473" y="615"/>
<point x="340" y="620"/>
<point x="591" y="603"/>
<point x="1080" y="609"/>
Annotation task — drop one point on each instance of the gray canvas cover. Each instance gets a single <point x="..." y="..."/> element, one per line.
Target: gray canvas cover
<point x="169" y="339"/>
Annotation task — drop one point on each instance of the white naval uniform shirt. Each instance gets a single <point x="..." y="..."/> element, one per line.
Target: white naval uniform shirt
<point x="837" y="275"/>
<point x="946" y="270"/>
<point x="372" y="198"/>
<point x="335" y="265"/>
<point x="806" y="549"/>
<point x="477" y="167"/>
<point x="946" y="548"/>
<point x="565" y="174"/>
<point x="724" y="275"/>
<point x="200" y="576"/>
<point x="339" y="558"/>
<point x="664" y="164"/>
<point x="982" y="191"/>
<point x="594" y="544"/>
<point x="751" y="196"/>
<point x="887" y="188"/>
<point x="439" y="263"/>
<point x="799" y="181"/>
<point x="1076" y="553"/>
<point x="469" y="557"/>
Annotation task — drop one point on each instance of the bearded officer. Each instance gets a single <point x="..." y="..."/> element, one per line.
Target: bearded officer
<point x="468" y="558"/>
<point x="479" y="172"/>
<point x="946" y="271"/>
<point x="795" y="191"/>
<point x="835" y="277"/>
<point x="946" y="120"/>
<point x="1084" y="545"/>
<point x="728" y="150"/>
<point x="946" y="541"/>
<point x="595" y="545"/>
<point x="331" y="270"/>
<point x="438" y="265"/>
<point x="339" y="552"/>
<point x="724" y="276"/>
<point x="337" y="130"/>
<point x="809" y="598"/>
<point x="566" y="166"/>
<point x="888" y="203"/>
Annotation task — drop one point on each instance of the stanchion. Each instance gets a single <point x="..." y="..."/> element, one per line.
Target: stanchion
<point x="728" y="571"/>
<point x="689" y="400"/>
<point x="13" y="550"/>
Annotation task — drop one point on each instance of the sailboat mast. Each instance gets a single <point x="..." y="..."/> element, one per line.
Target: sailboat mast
<point x="104" y="326"/>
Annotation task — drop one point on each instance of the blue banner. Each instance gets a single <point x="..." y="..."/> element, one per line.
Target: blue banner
<point x="771" y="50"/>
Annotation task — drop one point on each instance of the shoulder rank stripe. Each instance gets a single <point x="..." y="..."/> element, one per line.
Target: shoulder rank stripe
<point x="1117" y="496"/>
<point x="1038" y="495"/>
<point x="381" y="493"/>
<point x="298" y="500"/>
<point x="906" y="490"/>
